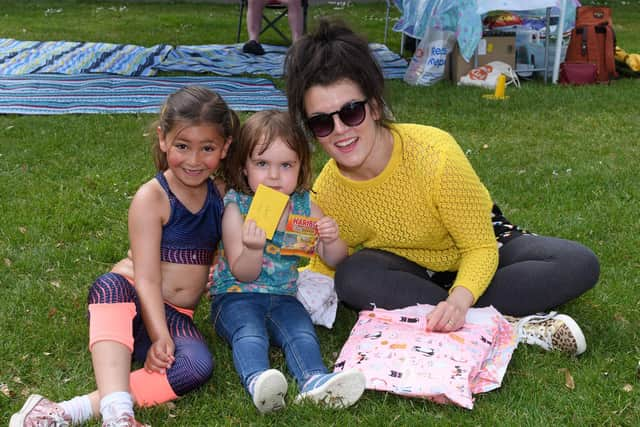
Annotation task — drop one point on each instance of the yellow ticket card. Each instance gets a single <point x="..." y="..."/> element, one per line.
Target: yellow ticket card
<point x="266" y="208"/>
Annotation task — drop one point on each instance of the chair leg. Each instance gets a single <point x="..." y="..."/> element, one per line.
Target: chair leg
<point x="269" y="23"/>
<point x="272" y="24"/>
<point x="305" y="7"/>
<point x="386" y="22"/>
<point x="240" y="21"/>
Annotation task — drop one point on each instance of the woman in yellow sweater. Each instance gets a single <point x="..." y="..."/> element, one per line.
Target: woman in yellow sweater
<point x="416" y="217"/>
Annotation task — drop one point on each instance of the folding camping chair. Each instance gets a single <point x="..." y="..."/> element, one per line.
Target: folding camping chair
<point x="270" y="22"/>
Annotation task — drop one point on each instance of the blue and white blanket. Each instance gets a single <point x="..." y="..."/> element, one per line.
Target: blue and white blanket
<point x="66" y="57"/>
<point x="61" y="77"/>
<point x="100" y="93"/>
<point x="229" y="60"/>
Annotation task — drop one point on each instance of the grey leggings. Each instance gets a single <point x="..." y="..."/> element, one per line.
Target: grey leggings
<point x="535" y="274"/>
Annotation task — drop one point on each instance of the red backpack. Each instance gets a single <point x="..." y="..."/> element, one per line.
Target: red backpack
<point x="593" y="41"/>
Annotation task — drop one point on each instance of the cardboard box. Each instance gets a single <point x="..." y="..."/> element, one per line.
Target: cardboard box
<point x="490" y="48"/>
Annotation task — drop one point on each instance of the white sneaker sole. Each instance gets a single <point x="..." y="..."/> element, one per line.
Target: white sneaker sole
<point x="581" y="341"/>
<point x="17" y="419"/>
<point x="341" y="391"/>
<point x="269" y="391"/>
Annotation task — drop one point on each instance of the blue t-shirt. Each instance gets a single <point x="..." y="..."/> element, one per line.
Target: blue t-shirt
<point x="279" y="272"/>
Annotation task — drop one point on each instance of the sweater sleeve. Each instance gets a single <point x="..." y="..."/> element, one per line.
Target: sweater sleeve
<point x="464" y="206"/>
<point x="315" y="263"/>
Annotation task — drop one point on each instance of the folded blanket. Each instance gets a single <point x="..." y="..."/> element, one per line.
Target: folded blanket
<point x="228" y="60"/>
<point x="67" y="57"/>
<point x="99" y="93"/>
<point x="63" y="57"/>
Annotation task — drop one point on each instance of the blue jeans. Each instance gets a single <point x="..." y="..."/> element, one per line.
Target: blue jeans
<point x="247" y="321"/>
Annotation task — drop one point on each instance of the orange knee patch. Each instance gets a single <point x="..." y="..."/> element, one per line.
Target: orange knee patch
<point x="111" y="322"/>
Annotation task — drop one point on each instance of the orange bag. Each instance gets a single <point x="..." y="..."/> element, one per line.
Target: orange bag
<point x="593" y="41"/>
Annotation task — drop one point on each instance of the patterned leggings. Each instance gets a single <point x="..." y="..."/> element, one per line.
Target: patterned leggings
<point x="193" y="364"/>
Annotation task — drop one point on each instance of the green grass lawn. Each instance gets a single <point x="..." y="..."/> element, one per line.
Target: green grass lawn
<point x="561" y="161"/>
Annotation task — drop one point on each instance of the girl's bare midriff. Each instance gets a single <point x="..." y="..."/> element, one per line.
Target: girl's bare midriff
<point x="182" y="284"/>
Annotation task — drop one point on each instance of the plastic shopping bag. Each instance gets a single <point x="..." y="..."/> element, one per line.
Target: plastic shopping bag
<point x="429" y="60"/>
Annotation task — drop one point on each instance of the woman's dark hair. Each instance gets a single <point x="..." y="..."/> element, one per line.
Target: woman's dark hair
<point x="193" y="106"/>
<point x="329" y="54"/>
<point x="258" y="133"/>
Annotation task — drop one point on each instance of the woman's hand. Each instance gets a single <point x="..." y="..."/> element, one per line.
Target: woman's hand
<point x="450" y="315"/>
<point x="160" y="356"/>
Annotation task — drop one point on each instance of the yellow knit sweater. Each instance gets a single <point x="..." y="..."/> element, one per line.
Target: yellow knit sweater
<point x="428" y="205"/>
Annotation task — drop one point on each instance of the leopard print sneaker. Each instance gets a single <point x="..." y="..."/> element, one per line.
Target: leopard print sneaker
<point x="551" y="331"/>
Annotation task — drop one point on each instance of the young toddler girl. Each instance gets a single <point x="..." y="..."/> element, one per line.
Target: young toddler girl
<point x="254" y="284"/>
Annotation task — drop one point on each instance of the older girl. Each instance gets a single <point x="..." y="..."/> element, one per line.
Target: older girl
<point x="174" y="227"/>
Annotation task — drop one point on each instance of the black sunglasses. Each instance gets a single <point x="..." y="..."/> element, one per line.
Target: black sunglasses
<point x="351" y="114"/>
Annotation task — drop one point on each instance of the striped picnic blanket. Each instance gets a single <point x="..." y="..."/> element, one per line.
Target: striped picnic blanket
<point x="64" y="57"/>
<point x="229" y="60"/>
<point x="67" y="57"/>
<point x="101" y="93"/>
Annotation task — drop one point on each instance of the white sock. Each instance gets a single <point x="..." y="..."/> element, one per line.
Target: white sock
<point x="116" y="404"/>
<point x="78" y="408"/>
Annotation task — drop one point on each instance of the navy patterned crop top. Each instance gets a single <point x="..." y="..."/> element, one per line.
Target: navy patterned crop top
<point x="189" y="238"/>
